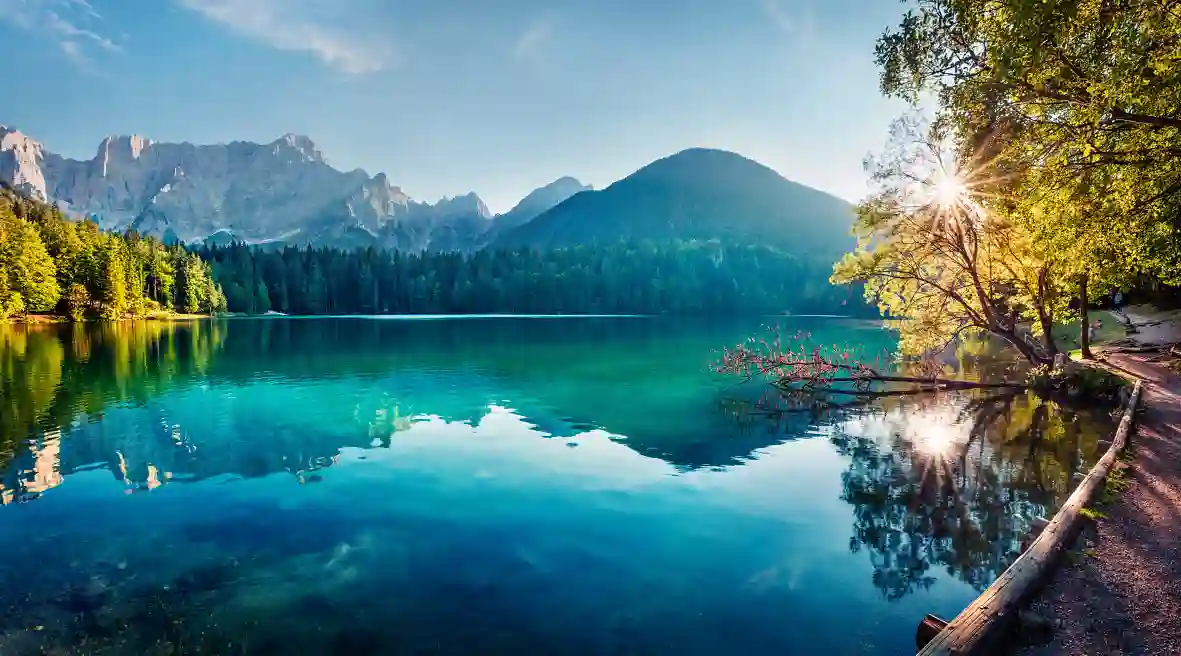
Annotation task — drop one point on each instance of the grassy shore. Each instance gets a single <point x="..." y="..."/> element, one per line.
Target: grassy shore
<point x="1111" y="329"/>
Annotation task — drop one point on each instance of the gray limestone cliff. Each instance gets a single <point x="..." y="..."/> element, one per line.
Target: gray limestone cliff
<point x="283" y="191"/>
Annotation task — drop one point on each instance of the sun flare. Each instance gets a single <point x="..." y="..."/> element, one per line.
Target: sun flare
<point x="934" y="442"/>
<point x="945" y="185"/>
<point x="948" y="189"/>
<point x="933" y="436"/>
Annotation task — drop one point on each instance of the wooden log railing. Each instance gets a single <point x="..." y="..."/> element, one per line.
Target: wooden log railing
<point x="983" y="625"/>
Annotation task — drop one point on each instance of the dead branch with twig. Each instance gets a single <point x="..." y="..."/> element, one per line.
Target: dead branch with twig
<point x="792" y="366"/>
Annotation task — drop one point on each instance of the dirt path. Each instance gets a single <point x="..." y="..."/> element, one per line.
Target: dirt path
<point x="1122" y="594"/>
<point x="1154" y="326"/>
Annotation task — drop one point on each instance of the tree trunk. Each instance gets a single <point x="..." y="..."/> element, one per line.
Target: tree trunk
<point x="1084" y="319"/>
<point x="1048" y="339"/>
<point x="1025" y="348"/>
<point x="1044" y="317"/>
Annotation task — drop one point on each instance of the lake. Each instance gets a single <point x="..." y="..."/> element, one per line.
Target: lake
<point x="492" y="485"/>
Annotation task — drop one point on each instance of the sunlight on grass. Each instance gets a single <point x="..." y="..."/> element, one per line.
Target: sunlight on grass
<point x="1111" y="329"/>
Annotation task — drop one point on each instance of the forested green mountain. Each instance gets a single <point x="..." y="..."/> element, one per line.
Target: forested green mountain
<point x="698" y="194"/>
<point x="622" y="277"/>
<point x="49" y="263"/>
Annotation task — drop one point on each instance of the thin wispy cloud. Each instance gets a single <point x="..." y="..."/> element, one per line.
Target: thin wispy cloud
<point x="533" y="40"/>
<point x="304" y="26"/>
<point x="71" y="24"/>
<point x="798" y="22"/>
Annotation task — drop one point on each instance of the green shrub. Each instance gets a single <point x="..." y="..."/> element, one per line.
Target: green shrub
<point x="1078" y="382"/>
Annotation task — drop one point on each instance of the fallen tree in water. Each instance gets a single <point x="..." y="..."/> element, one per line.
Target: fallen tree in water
<point x="793" y="367"/>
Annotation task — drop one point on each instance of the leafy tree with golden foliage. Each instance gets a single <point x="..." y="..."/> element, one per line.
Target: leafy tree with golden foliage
<point x="1063" y="123"/>
<point x="943" y="263"/>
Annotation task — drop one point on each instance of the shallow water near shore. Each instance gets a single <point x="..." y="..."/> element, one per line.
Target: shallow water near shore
<point x="491" y="485"/>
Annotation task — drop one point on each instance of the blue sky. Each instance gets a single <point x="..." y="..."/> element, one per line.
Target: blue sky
<point x="449" y="96"/>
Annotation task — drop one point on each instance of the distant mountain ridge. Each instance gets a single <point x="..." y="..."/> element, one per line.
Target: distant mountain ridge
<point x="283" y="191"/>
<point x="286" y="192"/>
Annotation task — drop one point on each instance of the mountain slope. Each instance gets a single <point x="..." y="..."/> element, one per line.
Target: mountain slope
<point x="697" y="194"/>
<point x="533" y="205"/>
<point x="541" y="200"/>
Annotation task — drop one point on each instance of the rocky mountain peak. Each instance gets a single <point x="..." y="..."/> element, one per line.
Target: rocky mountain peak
<point x="381" y="185"/>
<point x="21" y="161"/>
<point x="301" y="145"/>
<point x="123" y="146"/>
<point x="376" y="201"/>
<point x="469" y="204"/>
<point x="543" y="198"/>
<point x="567" y="181"/>
<point x="280" y="191"/>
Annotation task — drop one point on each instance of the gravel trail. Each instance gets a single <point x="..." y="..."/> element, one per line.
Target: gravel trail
<point x="1120" y="593"/>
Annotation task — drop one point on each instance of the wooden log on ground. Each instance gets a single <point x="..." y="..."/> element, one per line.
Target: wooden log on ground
<point x="1146" y="348"/>
<point x="984" y="624"/>
<point x="1027" y="542"/>
<point x="929" y="627"/>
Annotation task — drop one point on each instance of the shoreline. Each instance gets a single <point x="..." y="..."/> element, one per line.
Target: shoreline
<point x="987" y="623"/>
<point x="43" y="319"/>
<point x="1120" y="591"/>
<point x="527" y="315"/>
<point x="54" y="319"/>
<point x="1116" y="584"/>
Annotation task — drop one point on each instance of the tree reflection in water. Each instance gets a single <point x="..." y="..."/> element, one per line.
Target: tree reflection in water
<point x="54" y="377"/>
<point x="947" y="481"/>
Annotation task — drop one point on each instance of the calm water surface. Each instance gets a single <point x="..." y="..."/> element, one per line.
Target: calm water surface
<point x="495" y="485"/>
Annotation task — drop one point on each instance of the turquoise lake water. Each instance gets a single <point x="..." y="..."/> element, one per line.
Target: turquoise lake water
<point x="491" y="485"/>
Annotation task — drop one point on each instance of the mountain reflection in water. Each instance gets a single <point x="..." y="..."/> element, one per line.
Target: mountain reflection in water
<point x="321" y="463"/>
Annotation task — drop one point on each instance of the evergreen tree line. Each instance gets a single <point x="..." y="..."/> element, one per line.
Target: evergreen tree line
<point x="52" y="264"/>
<point x="49" y="263"/>
<point x="636" y="278"/>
